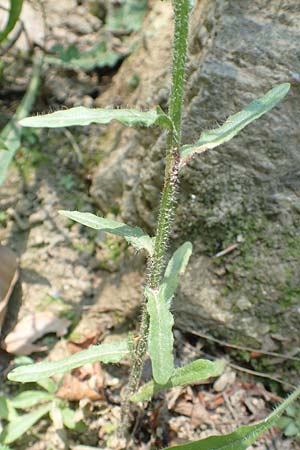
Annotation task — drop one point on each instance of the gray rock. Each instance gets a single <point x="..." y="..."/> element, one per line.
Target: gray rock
<point x="248" y="188"/>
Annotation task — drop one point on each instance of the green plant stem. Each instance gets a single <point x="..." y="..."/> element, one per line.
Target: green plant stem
<point x="168" y="199"/>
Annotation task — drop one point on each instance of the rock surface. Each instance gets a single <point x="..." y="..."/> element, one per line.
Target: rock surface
<point x="244" y="193"/>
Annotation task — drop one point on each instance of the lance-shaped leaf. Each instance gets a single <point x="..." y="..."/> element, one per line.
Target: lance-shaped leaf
<point x="21" y="424"/>
<point x="134" y="235"/>
<point x="14" y="13"/>
<point x="10" y="138"/>
<point x="107" y="353"/>
<point x="243" y="437"/>
<point x="176" y="267"/>
<point x="235" y="123"/>
<point x="160" y="318"/>
<point x="198" y="370"/>
<point x="82" y="116"/>
<point x="160" y="341"/>
<point x="28" y="399"/>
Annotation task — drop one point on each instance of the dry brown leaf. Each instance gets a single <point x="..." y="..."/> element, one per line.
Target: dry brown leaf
<point x="8" y="278"/>
<point x="73" y="389"/>
<point x="31" y="328"/>
<point x="195" y="410"/>
<point x="184" y="407"/>
<point x="85" y="382"/>
<point x="200" y="415"/>
<point x="225" y="380"/>
<point x="82" y="344"/>
<point x="88" y="371"/>
<point x="173" y="395"/>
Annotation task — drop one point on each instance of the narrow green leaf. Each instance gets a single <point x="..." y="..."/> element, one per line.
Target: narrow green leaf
<point x="134" y="235"/>
<point x="198" y="370"/>
<point x="14" y="14"/>
<point x="234" y="124"/>
<point x="23" y="423"/>
<point x="28" y="399"/>
<point x="11" y="134"/>
<point x="176" y="267"/>
<point x="107" y="353"/>
<point x="82" y="116"/>
<point x="160" y="341"/>
<point x="48" y="384"/>
<point x="3" y="408"/>
<point x="241" y="438"/>
<point x="7" y="411"/>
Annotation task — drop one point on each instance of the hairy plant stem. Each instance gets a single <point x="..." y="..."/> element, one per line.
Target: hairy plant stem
<point x="168" y="200"/>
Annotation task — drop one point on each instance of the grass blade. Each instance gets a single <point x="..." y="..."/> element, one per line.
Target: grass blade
<point x="11" y="134"/>
<point x="107" y="353"/>
<point x="14" y="14"/>
<point x="160" y="341"/>
<point x="82" y="116"/>
<point x="241" y="438"/>
<point x="198" y="370"/>
<point x="134" y="235"/>
<point x="235" y="123"/>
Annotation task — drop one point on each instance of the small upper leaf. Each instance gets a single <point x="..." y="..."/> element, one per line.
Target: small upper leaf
<point x="241" y="438"/>
<point x="160" y="336"/>
<point x="82" y="116"/>
<point x="176" y="267"/>
<point x="134" y="235"/>
<point x="107" y="353"/>
<point x="234" y="124"/>
<point x="201" y="369"/>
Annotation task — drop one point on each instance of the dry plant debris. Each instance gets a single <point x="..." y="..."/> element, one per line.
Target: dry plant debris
<point x="8" y="278"/>
<point x="31" y="328"/>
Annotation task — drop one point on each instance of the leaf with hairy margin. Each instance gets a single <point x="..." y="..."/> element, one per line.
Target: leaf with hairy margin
<point x="106" y="353"/>
<point x="198" y="370"/>
<point x="81" y="116"/>
<point x="160" y="341"/>
<point x="160" y="318"/>
<point x="134" y="235"/>
<point x="235" y="123"/>
<point x="241" y="438"/>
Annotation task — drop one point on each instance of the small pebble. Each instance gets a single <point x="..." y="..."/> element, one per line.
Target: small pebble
<point x="225" y="380"/>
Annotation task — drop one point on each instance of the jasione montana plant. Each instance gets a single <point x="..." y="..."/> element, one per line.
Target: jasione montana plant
<point x="155" y="332"/>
